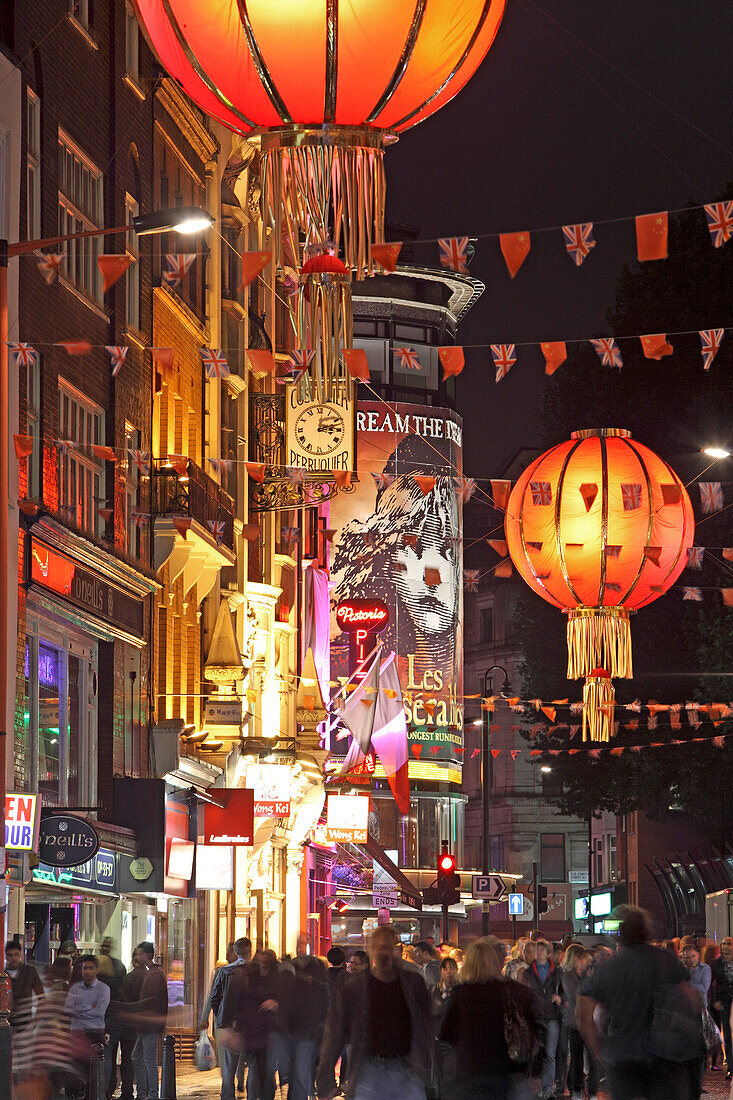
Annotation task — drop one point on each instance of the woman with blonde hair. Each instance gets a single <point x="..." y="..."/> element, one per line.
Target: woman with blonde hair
<point x="474" y="1023"/>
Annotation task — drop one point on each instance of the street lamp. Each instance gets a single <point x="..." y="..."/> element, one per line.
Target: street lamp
<point x="486" y="781"/>
<point x="716" y="452"/>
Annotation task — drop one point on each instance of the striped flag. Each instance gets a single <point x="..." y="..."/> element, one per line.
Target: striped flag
<point x="216" y="526"/>
<point x="215" y="363"/>
<point x="140" y="459"/>
<point x="695" y="556"/>
<point x="465" y="488"/>
<point x="454" y="253"/>
<point x="408" y="358"/>
<point x="117" y="356"/>
<point x="504" y="356"/>
<point x="23" y="354"/>
<point x="579" y="240"/>
<point x="719" y="217"/>
<point x="179" y="264"/>
<point x="711" y="497"/>
<point x="470" y="580"/>
<point x="710" y="339"/>
<point x="608" y="352"/>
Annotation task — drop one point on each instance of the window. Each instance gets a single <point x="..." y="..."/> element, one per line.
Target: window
<point x="132" y="485"/>
<point x="79" y="10"/>
<point x="33" y="164"/>
<point x="552" y="857"/>
<point x="132" y="46"/>
<point x="132" y="284"/>
<point x="612" y="857"/>
<point x="598" y="875"/>
<point x="496" y="852"/>
<point x="486" y="624"/>
<point x="80" y="209"/>
<point x="81" y="477"/>
<point x="33" y="425"/>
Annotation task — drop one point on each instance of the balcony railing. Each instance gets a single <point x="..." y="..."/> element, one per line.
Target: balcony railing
<point x="194" y="495"/>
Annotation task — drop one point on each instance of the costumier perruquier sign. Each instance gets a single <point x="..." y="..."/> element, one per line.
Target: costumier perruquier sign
<point x="66" y="841"/>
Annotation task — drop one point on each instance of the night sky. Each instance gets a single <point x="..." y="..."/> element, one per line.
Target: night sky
<point x="549" y="132"/>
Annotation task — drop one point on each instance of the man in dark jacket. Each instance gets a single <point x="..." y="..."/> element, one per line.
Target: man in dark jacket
<point x="223" y="1001"/>
<point x="722" y="969"/>
<point x="151" y="1015"/>
<point x="384" y="1015"/>
<point x="543" y="979"/>
<point x="123" y="1012"/>
<point x="306" y="1015"/>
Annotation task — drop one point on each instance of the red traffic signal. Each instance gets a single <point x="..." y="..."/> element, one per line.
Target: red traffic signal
<point x="446" y="864"/>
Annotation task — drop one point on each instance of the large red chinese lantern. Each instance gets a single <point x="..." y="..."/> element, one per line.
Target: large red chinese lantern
<point x="599" y="526"/>
<point x="326" y="84"/>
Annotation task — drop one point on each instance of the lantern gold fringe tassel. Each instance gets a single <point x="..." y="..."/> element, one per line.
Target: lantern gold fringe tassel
<point x="325" y="324"/>
<point x="598" y="706"/>
<point x="599" y="637"/>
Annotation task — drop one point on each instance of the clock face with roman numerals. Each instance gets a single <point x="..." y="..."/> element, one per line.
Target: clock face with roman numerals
<point x="320" y="429"/>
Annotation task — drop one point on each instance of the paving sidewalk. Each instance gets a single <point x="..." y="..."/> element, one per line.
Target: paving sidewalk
<point x="193" y="1084"/>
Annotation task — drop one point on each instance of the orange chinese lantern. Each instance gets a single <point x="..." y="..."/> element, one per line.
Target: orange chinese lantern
<point x="326" y="85"/>
<point x="599" y="526"/>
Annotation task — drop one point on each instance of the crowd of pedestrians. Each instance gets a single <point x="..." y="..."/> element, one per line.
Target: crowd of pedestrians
<point x="637" y="1021"/>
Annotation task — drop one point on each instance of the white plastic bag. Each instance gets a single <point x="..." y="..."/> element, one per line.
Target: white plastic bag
<point x="204" y="1052"/>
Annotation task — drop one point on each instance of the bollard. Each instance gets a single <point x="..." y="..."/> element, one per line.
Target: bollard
<point x="97" y="1073"/>
<point x="168" y="1072"/>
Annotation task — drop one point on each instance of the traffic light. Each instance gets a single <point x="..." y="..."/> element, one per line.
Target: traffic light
<point x="449" y="881"/>
<point x="541" y="899"/>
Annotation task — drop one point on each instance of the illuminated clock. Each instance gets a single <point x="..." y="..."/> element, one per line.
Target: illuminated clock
<point x="320" y="429"/>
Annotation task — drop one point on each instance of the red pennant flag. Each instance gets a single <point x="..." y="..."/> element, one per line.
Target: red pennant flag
<point x="500" y="492"/>
<point x="515" y="249"/>
<point x="495" y="753"/>
<point x="499" y="545"/>
<point x="76" y="347"/>
<point x="671" y="494"/>
<point x="251" y="532"/>
<point x="550" y="712"/>
<point x="727" y="594"/>
<point x="728" y="553"/>
<point x="342" y="478"/>
<point x="356" y="363"/>
<point x="555" y="354"/>
<point x="182" y="525"/>
<point x="503" y="569"/>
<point x="425" y="483"/>
<point x="416" y="750"/>
<point x="105" y="454"/>
<point x="616" y="752"/>
<point x="654" y="347"/>
<point x="23" y="445"/>
<point x="452" y="360"/>
<point x="431" y="576"/>
<point x="651" y="236"/>
<point x="261" y="361"/>
<point x="387" y="255"/>
<point x="653" y="553"/>
<point x="252" y="264"/>
<point x="163" y="357"/>
<point x="112" y="268"/>
<point x="589" y="492"/>
<point x="28" y="508"/>
<point x="179" y="464"/>
<point x="105" y="513"/>
<point x="256" y="470"/>
<point x="329" y="533"/>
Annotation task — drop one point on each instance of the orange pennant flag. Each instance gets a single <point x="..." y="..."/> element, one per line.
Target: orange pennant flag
<point x="251" y="532"/>
<point x="356" y="363"/>
<point x="163" y="357"/>
<point x="261" y="361"/>
<point x="179" y="463"/>
<point x="653" y="553"/>
<point x="76" y="347"/>
<point x="500" y="492"/>
<point x="431" y="577"/>
<point x="452" y="360"/>
<point x="550" y="712"/>
<point x="329" y="533"/>
<point x="342" y="478"/>
<point x="23" y="445"/>
<point x="651" y="236"/>
<point x="416" y="750"/>
<point x="105" y="513"/>
<point x="515" y="249"/>
<point x="654" y="347"/>
<point x="503" y="569"/>
<point x="728" y="553"/>
<point x="252" y="264"/>
<point x="309" y="702"/>
<point x="425" y="482"/>
<point x="112" y="268"/>
<point x="430" y="705"/>
<point x="256" y="470"/>
<point x="555" y="354"/>
<point x="671" y="494"/>
<point x="499" y="545"/>
<point x="589" y="492"/>
<point x="182" y="525"/>
<point x="28" y="508"/>
<point x="106" y="454"/>
<point x="727" y="594"/>
<point x="387" y="255"/>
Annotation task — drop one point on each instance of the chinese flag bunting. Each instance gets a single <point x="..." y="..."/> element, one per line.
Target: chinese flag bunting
<point x="425" y="482"/>
<point x="500" y="491"/>
<point x="728" y="553"/>
<point x="105" y="513"/>
<point x="112" y="268"/>
<point x="342" y="478"/>
<point x="179" y="464"/>
<point x="550" y="713"/>
<point x="555" y="353"/>
<point x="589" y="492"/>
<point x="356" y="363"/>
<point x="256" y="470"/>
<point x="499" y="545"/>
<point x="251" y="532"/>
<point x="387" y="255"/>
<point x="416" y="750"/>
<point x="163" y="357"/>
<point x="495" y="753"/>
<point x="76" y="347"/>
<point x="727" y="594"/>
<point x="182" y="525"/>
<point x="651" y="236"/>
<point x="452" y="361"/>
<point x="28" y="508"/>
<point x="106" y="454"/>
<point x="261" y="361"/>
<point x="654" y="347"/>
<point x="432" y="577"/>
<point x="252" y="264"/>
<point x="671" y="493"/>
<point x="515" y="249"/>
<point x="503" y="569"/>
<point x="23" y="445"/>
<point x="653" y="553"/>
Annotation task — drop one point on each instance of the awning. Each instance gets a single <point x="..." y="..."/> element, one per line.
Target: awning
<point x="409" y="894"/>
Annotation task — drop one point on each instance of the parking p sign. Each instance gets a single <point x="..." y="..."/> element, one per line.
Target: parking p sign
<point x="516" y="905"/>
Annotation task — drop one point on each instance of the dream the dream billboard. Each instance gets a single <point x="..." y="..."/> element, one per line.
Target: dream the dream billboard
<point x="397" y="539"/>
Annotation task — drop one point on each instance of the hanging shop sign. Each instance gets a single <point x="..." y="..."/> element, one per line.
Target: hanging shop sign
<point x="270" y="785"/>
<point x="319" y="435"/>
<point x="385" y="890"/>
<point x="347" y="818"/>
<point x="232" y="823"/>
<point x="66" y="841"/>
<point x="98" y="874"/>
<point x="214" y="867"/>
<point x="22" y="815"/>
<point x="361" y="620"/>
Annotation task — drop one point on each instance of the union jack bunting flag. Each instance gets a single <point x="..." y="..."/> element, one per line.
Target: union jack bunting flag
<point x="140" y="519"/>
<point x="504" y="359"/>
<point x="470" y="580"/>
<point x="541" y="492"/>
<point x="221" y="464"/>
<point x="297" y="475"/>
<point x="408" y="358"/>
<point x="216" y="526"/>
<point x="179" y="264"/>
<point x="579" y="240"/>
<point x="117" y="356"/>
<point x="720" y="222"/>
<point x="710" y="339"/>
<point x="631" y="496"/>
<point x="465" y="488"/>
<point x="692" y="594"/>
<point x="49" y="264"/>
<point x="215" y="363"/>
<point x="383" y="481"/>
<point x="141" y="460"/>
<point x="608" y="352"/>
<point x="711" y="497"/>
<point x="454" y="253"/>
<point x="301" y="358"/>
<point x="24" y="355"/>
<point x="695" y="556"/>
